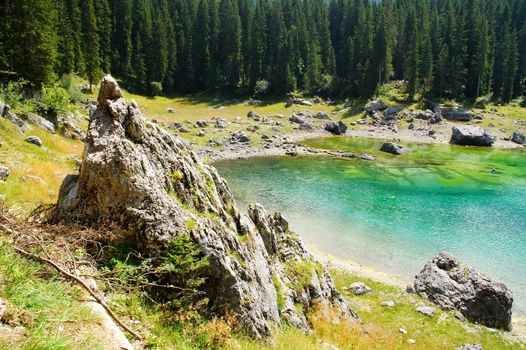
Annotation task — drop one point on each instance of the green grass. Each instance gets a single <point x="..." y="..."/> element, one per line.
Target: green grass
<point x="58" y="320"/>
<point x="36" y="172"/>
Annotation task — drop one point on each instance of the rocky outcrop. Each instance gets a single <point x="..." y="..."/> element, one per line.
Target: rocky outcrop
<point x="456" y="286"/>
<point x="5" y="112"/>
<point x="394" y="148"/>
<point x="40" y="122"/>
<point x="144" y="180"/>
<point x="467" y="135"/>
<point x="336" y="128"/>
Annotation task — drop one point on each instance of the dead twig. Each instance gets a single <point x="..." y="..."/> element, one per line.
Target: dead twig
<point x="84" y="285"/>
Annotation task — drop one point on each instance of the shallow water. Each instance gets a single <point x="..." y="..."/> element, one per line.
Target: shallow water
<point x="398" y="212"/>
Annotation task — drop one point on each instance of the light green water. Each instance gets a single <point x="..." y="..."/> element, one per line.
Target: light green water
<point x="398" y="212"/>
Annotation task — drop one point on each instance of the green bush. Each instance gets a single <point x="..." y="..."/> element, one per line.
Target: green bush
<point x="11" y="93"/>
<point x="54" y="100"/>
<point x="156" y="88"/>
<point x="261" y="88"/>
<point x="69" y="82"/>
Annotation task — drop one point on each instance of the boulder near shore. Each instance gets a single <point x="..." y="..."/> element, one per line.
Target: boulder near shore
<point x="143" y="180"/>
<point x="453" y="285"/>
<point x="467" y="135"/>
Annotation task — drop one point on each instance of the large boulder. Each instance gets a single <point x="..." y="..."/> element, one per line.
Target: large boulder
<point x="336" y="128"/>
<point x="518" y="137"/>
<point x="40" y="122"/>
<point x="453" y="285"/>
<point x="394" y="148"/>
<point x="456" y="114"/>
<point x="145" y="181"/>
<point x="467" y="135"/>
<point x="239" y="137"/>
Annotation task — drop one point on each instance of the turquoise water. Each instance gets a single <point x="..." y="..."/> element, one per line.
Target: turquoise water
<point x="398" y="212"/>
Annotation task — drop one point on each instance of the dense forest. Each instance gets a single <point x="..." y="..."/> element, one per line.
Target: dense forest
<point x="446" y="48"/>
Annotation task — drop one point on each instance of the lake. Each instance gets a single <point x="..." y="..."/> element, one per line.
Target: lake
<point x="397" y="212"/>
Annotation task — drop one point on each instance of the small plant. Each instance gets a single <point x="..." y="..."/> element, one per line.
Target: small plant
<point x="12" y="93"/>
<point x="156" y="88"/>
<point x="68" y="83"/>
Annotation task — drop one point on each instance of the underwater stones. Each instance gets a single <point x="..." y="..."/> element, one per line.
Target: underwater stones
<point x="468" y="135"/>
<point x="394" y="148"/>
<point x="453" y="285"/>
<point x="336" y="128"/>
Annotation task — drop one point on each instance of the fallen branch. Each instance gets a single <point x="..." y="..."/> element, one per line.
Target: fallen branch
<point x="84" y="285"/>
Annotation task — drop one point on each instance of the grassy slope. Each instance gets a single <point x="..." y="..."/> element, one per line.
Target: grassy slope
<point x="56" y="318"/>
<point x="26" y="287"/>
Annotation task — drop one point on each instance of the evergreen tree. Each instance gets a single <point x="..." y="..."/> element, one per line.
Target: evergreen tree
<point x="91" y="41"/>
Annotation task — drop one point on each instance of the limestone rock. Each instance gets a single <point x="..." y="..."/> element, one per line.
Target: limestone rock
<point x="239" y="137"/>
<point x="518" y="137"/>
<point x="321" y="115"/>
<point x="5" y="112"/>
<point x="40" y="122"/>
<point x="456" y="114"/>
<point x="35" y="140"/>
<point x="394" y="148"/>
<point x="426" y="310"/>
<point x="4" y="173"/>
<point x="469" y="347"/>
<point x="336" y="128"/>
<point x="374" y="106"/>
<point x="387" y="303"/>
<point x="144" y="180"/>
<point x="453" y="285"/>
<point x="467" y="135"/>
<point x="359" y="288"/>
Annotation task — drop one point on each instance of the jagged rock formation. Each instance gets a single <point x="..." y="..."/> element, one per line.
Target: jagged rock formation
<point x="456" y="286"/>
<point x="145" y="180"/>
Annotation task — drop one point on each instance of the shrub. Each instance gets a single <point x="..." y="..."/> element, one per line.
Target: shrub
<point x="68" y="83"/>
<point x="327" y="85"/>
<point x="12" y="93"/>
<point x="156" y="88"/>
<point x="54" y="100"/>
<point x="261" y="88"/>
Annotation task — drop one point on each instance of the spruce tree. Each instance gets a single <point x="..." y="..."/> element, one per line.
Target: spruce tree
<point x="91" y="41"/>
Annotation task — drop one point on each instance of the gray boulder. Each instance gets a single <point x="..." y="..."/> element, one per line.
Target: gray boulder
<point x="456" y="114"/>
<point x="424" y="115"/>
<point x="40" y="122"/>
<point x="35" y="140"/>
<point x="374" y="106"/>
<point x="518" y="137"/>
<point x="321" y="115"/>
<point x="5" y="112"/>
<point x="296" y="119"/>
<point x="127" y="179"/>
<point x="453" y="285"/>
<point x="468" y="135"/>
<point x="336" y="128"/>
<point x="239" y="137"/>
<point x="253" y="115"/>
<point x="426" y="310"/>
<point x="469" y="347"/>
<point x="202" y="123"/>
<point x="4" y="173"/>
<point x="359" y="288"/>
<point x="302" y="102"/>
<point x="394" y="148"/>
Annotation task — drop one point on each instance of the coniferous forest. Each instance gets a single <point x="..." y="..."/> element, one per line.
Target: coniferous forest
<point x="345" y="48"/>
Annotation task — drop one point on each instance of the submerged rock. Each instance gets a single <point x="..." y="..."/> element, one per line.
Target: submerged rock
<point x="139" y="177"/>
<point x="453" y="285"/>
<point x="467" y="135"/>
<point x="394" y="148"/>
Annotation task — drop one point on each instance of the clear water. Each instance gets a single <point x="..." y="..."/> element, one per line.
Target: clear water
<point x="398" y="212"/>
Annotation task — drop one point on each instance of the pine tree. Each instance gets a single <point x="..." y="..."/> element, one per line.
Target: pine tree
<point x="122" y="41"/>
<point x="91" y="41"/>
<point x="104" y="31"/>
<point x="201" y="49"/>
<point x="230" y="44"/>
